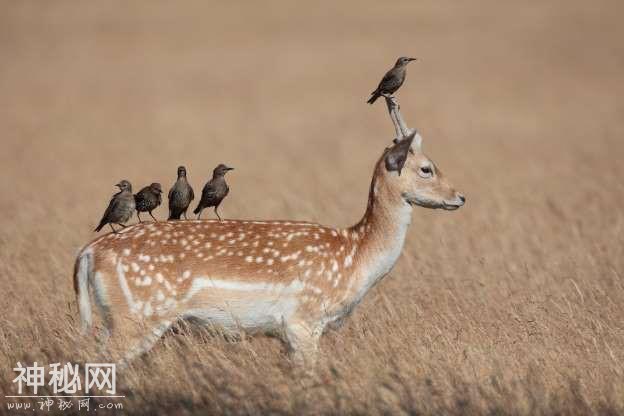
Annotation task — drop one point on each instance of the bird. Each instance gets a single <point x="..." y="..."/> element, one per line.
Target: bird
<point x="148" y="199"/>
<point x="120" y="208"/>
<point x="393" y="79"/>
<point x="180" y="196"/>
<point x="214" y="191"/>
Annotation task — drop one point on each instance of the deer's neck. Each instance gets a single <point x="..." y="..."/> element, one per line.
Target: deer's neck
<point x="380" y="236"/>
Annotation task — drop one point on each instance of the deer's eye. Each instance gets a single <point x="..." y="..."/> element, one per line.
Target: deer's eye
<point x="426" y="171"/>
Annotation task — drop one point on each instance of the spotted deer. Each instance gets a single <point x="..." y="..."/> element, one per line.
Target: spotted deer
<point x="289" y="278"/>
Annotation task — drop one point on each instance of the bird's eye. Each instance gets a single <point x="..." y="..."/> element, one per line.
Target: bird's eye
<point x="426" y="172"/>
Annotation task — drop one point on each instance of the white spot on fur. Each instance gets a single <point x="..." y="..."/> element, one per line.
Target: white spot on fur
<point x="349" y="259"/>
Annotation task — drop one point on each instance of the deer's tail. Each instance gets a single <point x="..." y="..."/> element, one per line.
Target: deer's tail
<point x="83" y="275"/>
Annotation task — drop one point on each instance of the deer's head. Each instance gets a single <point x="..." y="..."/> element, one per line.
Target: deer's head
<point x="407" y="172"/>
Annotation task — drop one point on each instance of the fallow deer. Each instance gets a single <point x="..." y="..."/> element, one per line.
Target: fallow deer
<point x="287" y="277"/>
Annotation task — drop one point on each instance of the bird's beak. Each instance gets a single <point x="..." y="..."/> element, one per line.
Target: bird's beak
<point x="228" y="168"/>
<point x="412" y="59"/>
<point x="118" y="185"/>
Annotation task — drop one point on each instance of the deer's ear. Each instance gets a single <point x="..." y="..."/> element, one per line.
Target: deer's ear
<point x="397" y="155"/>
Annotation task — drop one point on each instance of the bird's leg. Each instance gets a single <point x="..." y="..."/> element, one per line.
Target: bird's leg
<point x="122" y="225"/>
<point x="217" y="212"/>
<point x="112" y="228"/>
<point x="139" y="217"/>
<point x="199" y="215"/>
<point x="151" y="215"/>
<point x="185" y="217"/>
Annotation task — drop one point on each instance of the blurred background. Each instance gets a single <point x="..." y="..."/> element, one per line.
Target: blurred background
<point x="519" y="103"/>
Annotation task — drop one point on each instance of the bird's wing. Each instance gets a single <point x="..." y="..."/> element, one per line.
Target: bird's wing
<point x="389" y="75"/>
<point x="208" y="192"/>
<point x="112" y="205"/>
<point x="191" y="192"/>
<point x="170" y="194"/>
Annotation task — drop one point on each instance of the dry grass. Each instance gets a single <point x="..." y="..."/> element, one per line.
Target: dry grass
<point x="512" y="305"/>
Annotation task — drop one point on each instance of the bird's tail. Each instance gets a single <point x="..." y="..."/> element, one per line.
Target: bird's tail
<point x="99" y="227"/>
<point x="174" y="215"/>
<point x="374" y="97"/>
<point x="83" y="270"/>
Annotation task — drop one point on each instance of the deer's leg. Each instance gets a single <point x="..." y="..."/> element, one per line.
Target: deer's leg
<point x="145" y="343"/>
<point x="303" y="342"/>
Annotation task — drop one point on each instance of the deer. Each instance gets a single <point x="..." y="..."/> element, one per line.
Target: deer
<point x="292" y="279"/>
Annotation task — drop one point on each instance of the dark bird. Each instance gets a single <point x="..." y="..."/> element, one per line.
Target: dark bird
<point x="120" y="208"/>
<point x="180" y="196"/>
<point x="148" y="199"/>
<point x="214" y="191"/>
<point x="392" y="81"/>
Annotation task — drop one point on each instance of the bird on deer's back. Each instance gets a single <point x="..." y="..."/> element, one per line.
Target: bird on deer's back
<point x="215" y="190"/>
<point x="148" y="199"/>
<point x="180" y="196"/>
<point x="120" y="208"/>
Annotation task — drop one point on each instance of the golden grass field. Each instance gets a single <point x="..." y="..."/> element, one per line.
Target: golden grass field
<point x="513" y="304"/>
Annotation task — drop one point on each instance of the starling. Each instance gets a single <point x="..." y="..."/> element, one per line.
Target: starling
<point x="392" y="81"/>
<point x="214" y="191"/>
<point x="120" y="208"/>
<point x="180" y="196"/>
<point x="147" y="199"/>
